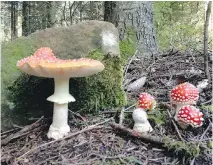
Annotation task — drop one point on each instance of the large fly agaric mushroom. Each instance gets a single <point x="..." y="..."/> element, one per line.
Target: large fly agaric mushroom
<point x="141" y="124"/>
<point x="189" y="115"/>
<point x="146" y="101"/>
<point x="44" y="64"/>
<point x="184" y="94"/>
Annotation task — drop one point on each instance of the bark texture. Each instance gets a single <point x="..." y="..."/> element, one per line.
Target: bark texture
<point x="206" y="26"/>
<point x="14" y="20"/>
<point x="134" y="16"/>
<point x="25" y="18"/>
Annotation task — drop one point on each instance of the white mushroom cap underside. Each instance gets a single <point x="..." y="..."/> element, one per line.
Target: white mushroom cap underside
<point x="69" y="71"/>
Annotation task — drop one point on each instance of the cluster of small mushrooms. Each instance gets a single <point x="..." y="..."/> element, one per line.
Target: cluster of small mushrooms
<point x="43" y="63"/>
<point x="183" y="97"/>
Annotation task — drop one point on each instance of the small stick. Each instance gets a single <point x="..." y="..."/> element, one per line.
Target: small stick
<point x="130" y="61"/>
<point x="176" y="128"/>
<point x="121" y="117"/>
<point x="19" y="133"/>
<point x="153" y="139"/>
<point x="89" y="128"/>
<point x="9" y="131"/>
<point x="209" y="101"/>
<point x="198" y="145"/>
<point x="78" y="115"/>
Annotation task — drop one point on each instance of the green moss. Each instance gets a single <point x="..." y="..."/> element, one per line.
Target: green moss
<point x="188" y="149"/>
<point x="158" y="116"/>
<point x="100" y="90"/>
<point x="11" y="53"/>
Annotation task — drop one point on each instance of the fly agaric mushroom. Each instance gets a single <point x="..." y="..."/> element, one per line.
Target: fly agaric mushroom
<point x="44" y="64"/>
<point x="184" y="94"/>
<point x="140" y="118"/>
<point x="146" y="101"/>
<point x="189" y="115"/>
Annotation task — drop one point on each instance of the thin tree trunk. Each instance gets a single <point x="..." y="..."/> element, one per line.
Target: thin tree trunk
<point x="14" y="19"/>
<point x="110" y="12"/>
<point x="71" y="11"/>
<point x="49" y="13"/>
<point x="25" y="18"/>
<point x="206" y="25"/>
<point x="80" y="3"/>
<point x="44" y="15"/>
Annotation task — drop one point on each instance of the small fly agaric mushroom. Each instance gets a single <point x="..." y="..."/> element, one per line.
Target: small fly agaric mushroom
<point x="184" y="94"/>
<point x="140" y="118"/>
<point x="44" y="64"/>
<point x="146" y="101"/>
<point x="189" y="115"/>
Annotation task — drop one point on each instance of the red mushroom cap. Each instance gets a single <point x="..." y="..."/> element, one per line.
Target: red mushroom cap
<point x="146" y="101"/>
<point x="43" y="63"/>
<point x="190" y="115"/>
<point x="184" y="93"/>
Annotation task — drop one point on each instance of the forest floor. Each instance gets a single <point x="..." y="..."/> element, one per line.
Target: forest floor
<point x="94" y="141"/>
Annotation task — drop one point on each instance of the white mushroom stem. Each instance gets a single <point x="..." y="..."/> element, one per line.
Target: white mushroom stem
<point x="142" y="124"/>
<point x="59" y="127"/>
<point x="182" y="125"/>
<point x="61" y="97"/>
<point x="61" y="93"/>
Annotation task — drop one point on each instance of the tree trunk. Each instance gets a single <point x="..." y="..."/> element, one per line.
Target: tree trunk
<point x="14" y="20"/>
<point x="50" y="13"/>
<point x="206" y="25"/>
<point x="136" y="15"/>
<point x="25" y="18"/>
<point x="110" y="12"/>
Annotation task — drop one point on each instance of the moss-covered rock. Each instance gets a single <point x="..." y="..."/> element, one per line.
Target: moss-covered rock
<point x="24" y="96"/>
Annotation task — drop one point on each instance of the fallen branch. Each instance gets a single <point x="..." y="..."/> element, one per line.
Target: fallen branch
<point x="171" y="144"/>
<point x="149" y="138"/>
<point x="20" y="133"/>
<point x="89" y="128"/>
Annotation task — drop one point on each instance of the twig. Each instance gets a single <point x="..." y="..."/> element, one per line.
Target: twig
<point x="78" y="115"/>
<point x="9" y="131"/>
<point x="121" y="117"/>
<point x="125" y="72"/>
<point x="89" y="128"/>
<point x="21" y="132"/>
<point x="176" y="128"/>
<point x="106" y="112"/>
<point x="163" y="105"/>
<point x="149" y="138"/>
<point x="209" y="101"/>
<point x="198" y="145"/>
<point x="17" y="126"/>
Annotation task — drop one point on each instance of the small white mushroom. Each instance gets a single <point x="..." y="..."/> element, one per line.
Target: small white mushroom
<point x="142" y="124"/>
